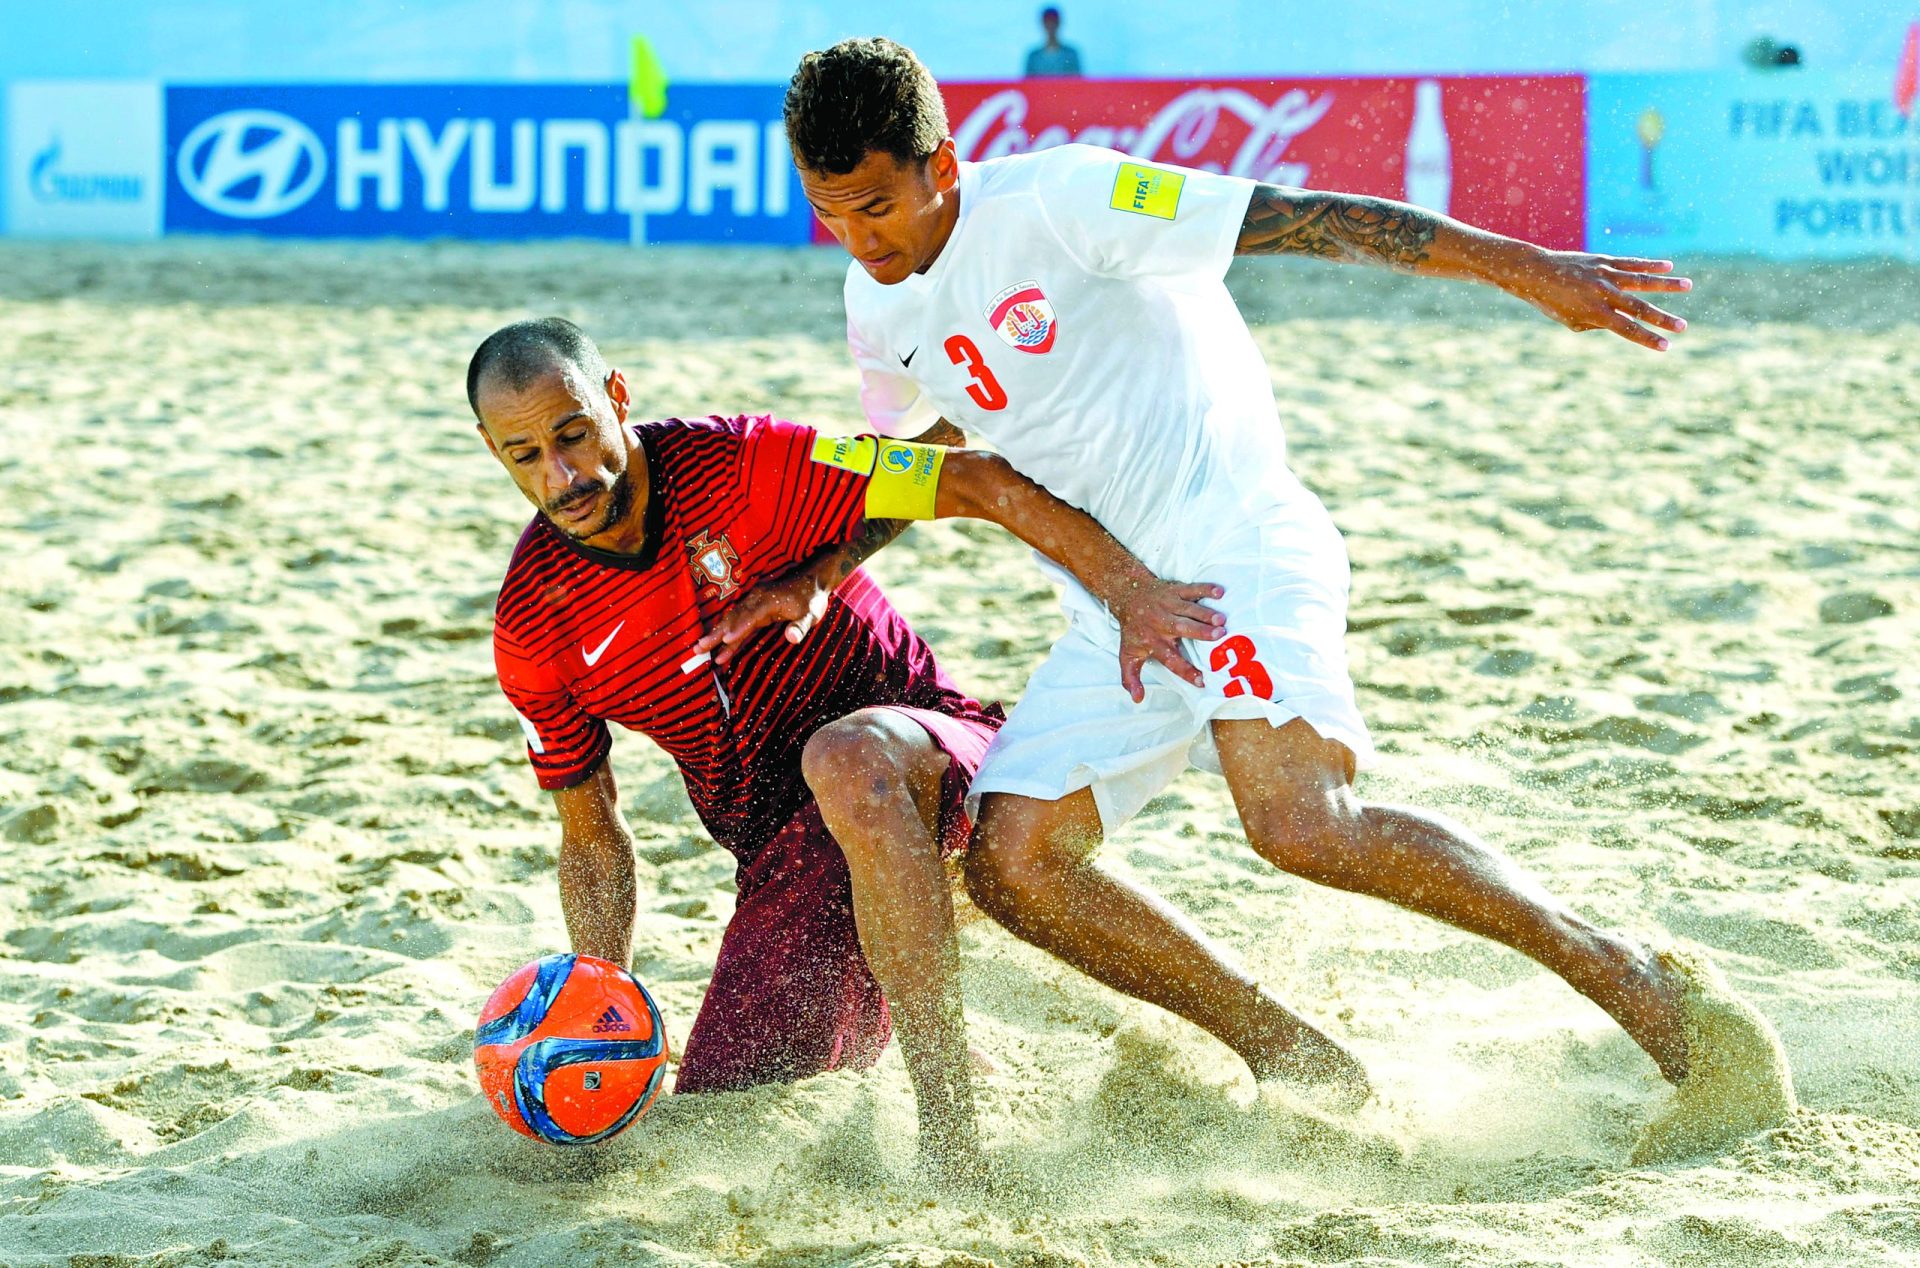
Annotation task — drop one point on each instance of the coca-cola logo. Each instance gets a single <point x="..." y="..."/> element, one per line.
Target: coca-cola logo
<point x="1188" y="130"/>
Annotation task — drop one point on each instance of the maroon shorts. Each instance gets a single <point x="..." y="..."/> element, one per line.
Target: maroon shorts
<point x="791" y="993"/>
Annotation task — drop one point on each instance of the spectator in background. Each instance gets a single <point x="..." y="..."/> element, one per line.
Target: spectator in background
<point x="1765" y="53"/>
<point x="1052" y="58"/>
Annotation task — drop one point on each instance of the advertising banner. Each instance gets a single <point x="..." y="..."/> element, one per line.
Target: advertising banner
<point x="579" y="160"/>
<point x="1503" y="152"/>
<point x="1786" y="164"/>
<point x="83" y="159"/>
<point x="480" y="161"/>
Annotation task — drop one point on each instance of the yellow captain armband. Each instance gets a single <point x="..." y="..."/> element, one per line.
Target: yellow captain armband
<point x="906" y="478"/>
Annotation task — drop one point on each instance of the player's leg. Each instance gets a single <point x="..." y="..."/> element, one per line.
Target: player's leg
<point x="1290" y="767"/>
<point x="877" y="777"/>
<point x="1077" y="753"/>
<point x="1031" y="867"/>
<point x="1294" y="793"/>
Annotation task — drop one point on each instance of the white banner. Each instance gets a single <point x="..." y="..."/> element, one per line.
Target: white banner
<point x="83" y="159"/>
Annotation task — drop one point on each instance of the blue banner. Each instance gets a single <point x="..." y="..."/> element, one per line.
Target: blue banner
<point x="1785" y="164"/>
<point x="481" y="161"/>
<point x="734" y="179"/>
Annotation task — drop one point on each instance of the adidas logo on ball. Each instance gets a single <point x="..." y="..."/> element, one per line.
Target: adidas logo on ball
<point x="611" y="1022"/>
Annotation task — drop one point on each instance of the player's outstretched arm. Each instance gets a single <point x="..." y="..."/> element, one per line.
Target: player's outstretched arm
<point x="1154" y="615"/>
<point x="596" y="868"/>
<point x="1580" y="290"/>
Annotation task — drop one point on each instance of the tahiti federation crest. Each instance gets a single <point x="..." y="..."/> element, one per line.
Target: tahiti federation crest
<point x="1023" y="317"/>
<point x="713" y="564"/>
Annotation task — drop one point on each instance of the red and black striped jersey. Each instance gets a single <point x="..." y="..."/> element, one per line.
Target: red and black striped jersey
<point x="583" y="637"/>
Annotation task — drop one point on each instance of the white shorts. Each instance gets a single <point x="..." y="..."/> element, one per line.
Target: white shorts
<point x="1284" y="657"/>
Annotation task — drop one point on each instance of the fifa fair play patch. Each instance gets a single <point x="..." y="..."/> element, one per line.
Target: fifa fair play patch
<point x="1147" y="191"/>
<point x="849" y="453"/>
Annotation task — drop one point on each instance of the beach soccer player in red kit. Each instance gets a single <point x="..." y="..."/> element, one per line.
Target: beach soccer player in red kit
<point x="834" y="767"/>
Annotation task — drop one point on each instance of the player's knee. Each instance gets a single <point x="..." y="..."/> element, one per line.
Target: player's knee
<point x="1317" y="837"/>
<point x="852" y="765"/>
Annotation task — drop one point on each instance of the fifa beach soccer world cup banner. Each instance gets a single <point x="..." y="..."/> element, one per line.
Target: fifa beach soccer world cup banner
<point x="1507" y="153"/>
<point x="480" y="161"/>
<point x="1784" y="164"/>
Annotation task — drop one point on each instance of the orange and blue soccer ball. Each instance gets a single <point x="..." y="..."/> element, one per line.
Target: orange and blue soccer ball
<point x="570" y="1050"/>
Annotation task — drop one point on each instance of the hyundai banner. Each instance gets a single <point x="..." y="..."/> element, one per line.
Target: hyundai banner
<point x="480" y="161"/>
<point x="1503" y="152"/>
<point x="83" y="159"/>
<point x="1784" y="164"/>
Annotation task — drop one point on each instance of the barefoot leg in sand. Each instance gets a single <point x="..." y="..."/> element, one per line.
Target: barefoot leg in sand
<point x="1295" y="795"/>
<point x="1031" y="867"/>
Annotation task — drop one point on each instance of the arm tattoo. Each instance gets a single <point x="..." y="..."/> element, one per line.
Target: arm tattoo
<point x="942" y="433"/>
<point x="1347" y="227"/>
<point x="872" y="536"/>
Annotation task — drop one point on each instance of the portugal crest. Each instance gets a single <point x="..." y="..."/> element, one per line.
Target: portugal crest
<point x="713" y="563"/>
<point x="1023" y="317"/>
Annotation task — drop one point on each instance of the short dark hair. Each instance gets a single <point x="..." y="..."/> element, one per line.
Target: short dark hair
<point x="1050" y="12"/>
<point x="858" y="96"/>
<point x="525" y="350"/>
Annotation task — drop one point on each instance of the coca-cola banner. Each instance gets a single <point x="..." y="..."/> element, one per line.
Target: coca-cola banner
<point x="1507" y="153"/>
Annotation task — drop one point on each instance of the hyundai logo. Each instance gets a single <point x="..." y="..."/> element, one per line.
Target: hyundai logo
<point x="251" y="164"/>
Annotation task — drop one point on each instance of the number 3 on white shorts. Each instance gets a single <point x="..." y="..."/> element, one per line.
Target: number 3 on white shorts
<point x="1249" y="677"/>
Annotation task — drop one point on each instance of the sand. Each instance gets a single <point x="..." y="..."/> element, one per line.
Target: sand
<point x="267" y="838"/>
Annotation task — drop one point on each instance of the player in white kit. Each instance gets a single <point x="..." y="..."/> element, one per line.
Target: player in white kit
<point x="1069" y="307"/>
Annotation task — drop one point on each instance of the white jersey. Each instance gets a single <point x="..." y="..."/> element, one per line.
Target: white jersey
<point x="1078" y="321"/>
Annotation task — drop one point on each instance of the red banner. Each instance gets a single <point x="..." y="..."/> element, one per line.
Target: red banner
<point x="1503" y="152"/>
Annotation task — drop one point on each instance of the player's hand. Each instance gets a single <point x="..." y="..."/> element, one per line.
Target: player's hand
<point x="1583" y="291"/>
<point x="799" y="599"/>
<point x="1154" y="616"/>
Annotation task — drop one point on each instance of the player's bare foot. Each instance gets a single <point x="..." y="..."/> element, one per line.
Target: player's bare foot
<point x="954" y="1162"/>
<point x="1321" y="1067"/>
<point x="1646" y="996"/>
<point x="1665" y="1035"/>
<point x="1311" y="1062"/>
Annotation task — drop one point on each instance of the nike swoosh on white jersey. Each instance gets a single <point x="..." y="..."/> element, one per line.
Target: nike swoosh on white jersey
<point x="593" y="657"/>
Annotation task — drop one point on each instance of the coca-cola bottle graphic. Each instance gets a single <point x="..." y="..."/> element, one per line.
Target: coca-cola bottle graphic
<point x="1429" y="153"/>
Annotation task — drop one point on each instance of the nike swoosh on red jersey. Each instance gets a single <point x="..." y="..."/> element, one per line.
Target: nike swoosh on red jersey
<point x="592" y="657"/>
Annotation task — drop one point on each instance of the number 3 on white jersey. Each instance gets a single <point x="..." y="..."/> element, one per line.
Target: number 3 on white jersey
<point x="985" y="389"/>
